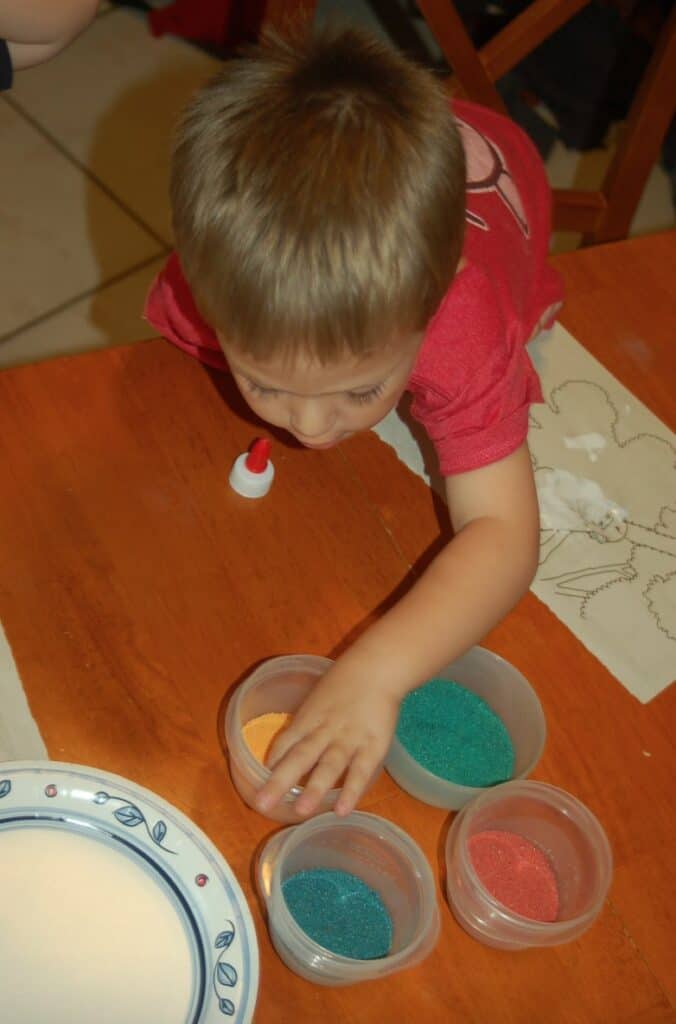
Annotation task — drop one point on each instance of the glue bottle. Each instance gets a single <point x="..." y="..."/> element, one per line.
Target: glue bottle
<point x="252" y="472"/>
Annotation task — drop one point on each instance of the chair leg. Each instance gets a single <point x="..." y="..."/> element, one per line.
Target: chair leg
<point x="457" y="47"/>
<point x="641" y="140"/>
<point x="279" y="14"/>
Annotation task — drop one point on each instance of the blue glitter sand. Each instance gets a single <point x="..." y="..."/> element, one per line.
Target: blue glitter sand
<point x="340" y="912"/>
<point x="455" y="734"/>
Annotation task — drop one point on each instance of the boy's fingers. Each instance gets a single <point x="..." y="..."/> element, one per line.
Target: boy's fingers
<point x="283" y="743"/>
<point x="295" y="734"/>
<point x="296" y="763"/>
<point x="359" y="773"/>
<point x="329" y="769"/>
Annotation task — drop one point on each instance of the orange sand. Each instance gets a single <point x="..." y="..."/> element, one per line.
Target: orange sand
<point x="259" y="733"/>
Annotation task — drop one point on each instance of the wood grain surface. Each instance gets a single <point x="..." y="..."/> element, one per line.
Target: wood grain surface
<point x="137" y="590"/>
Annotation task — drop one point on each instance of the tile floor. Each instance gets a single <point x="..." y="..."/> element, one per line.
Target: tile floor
<point x="84" y="215"/>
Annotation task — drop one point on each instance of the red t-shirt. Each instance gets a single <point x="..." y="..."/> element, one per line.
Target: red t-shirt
<point x="472" y="383"/>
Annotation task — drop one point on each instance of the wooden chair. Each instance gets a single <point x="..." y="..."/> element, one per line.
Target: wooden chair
<point x="278" y="13"/>
<point x="601" y="216"/>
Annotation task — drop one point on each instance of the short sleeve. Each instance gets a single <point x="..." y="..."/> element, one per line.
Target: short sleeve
<point x="473" y="383"/>
<point x="6" y="70"/>
<point x="170" y="308"/>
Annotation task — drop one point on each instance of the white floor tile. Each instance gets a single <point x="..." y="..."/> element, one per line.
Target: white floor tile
<point x="60" y="234"/>
<point x="111" y="99"/>
<point x="111" y="316"/>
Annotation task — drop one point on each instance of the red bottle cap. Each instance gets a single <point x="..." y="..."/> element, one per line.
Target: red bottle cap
<point x="259" y="453"/>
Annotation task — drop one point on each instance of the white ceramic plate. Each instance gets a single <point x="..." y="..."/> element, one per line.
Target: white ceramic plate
<point x="114" y="907"/>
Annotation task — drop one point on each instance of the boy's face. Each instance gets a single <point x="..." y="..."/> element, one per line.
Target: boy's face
<point x="323" y="405"/>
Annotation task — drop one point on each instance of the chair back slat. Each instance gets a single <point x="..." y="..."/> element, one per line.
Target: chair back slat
<point x="457" y="47"/>
<point x="604" y="214"/>
<point x="524" y="34"/>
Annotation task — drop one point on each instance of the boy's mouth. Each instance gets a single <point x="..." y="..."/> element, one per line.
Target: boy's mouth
<point x="320" y="447"/>
<point x="324" y="444"/>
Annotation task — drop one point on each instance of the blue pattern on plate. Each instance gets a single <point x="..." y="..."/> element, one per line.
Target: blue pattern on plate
<point x="225" y="975"/>
<point x="225" y="938"/>
<point x="231" y="987"/>
<point x="131" y="816"/>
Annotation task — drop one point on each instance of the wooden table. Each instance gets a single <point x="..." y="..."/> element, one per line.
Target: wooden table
<point x="137" y="589"/>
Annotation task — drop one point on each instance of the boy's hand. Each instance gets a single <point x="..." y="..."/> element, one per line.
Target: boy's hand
<point x="345" y="725"/>
<point x="348" y="720"/>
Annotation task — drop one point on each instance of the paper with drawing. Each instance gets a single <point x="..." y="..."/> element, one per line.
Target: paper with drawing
<point x="606" y="473"/>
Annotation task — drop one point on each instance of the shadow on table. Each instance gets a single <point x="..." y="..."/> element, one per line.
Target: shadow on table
<point x="224" y="384"/>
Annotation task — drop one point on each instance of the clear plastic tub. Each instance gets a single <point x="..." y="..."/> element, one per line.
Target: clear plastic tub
<point x="279" y="684"/>
<point x="565" y="830"/>
<point x="511" y="696"/>
<point x="379" y="853"/>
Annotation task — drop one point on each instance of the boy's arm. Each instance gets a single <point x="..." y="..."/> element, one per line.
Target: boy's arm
<point x="35" y="30"/>
<point x="348" y="721"/>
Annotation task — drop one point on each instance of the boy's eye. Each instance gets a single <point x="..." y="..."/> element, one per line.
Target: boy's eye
<point x="366" y="396"/>
<point x="258" y="389"/>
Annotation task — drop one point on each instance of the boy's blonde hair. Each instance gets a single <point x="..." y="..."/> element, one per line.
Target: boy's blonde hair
<point x="318" y="191"/>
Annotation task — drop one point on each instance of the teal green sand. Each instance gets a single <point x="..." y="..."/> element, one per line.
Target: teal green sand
<point x="340" y="912"/>
<point x="455" y="734"/>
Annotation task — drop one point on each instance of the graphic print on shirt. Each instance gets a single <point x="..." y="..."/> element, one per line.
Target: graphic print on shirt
<point x="487" y="171"/>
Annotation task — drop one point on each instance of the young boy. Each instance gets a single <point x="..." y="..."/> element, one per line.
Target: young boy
<point x="334" y="256"/>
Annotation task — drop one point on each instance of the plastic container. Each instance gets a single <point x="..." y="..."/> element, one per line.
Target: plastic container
<point x="379" y="853"/>
<point x="511" y="696"/>
<point x="565" y="830"/>
<point x="279" y="684"/>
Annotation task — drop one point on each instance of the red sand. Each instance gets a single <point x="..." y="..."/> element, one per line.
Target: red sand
<point x="516" y="873"/>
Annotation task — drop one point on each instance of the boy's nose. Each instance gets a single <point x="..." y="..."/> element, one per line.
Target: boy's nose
<point x="310" y="419"/>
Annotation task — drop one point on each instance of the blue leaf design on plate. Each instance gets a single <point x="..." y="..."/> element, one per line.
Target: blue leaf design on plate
<point x="159" y="831"/>
<point x="5" y="787"/>
<point x="225" y="939"/>
<point x="129" y="815"/>
<point x="101" y="797"/>
<point x="226" y="1006"/>
<point x="227" y="975"/>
